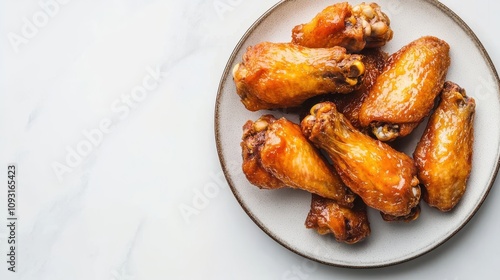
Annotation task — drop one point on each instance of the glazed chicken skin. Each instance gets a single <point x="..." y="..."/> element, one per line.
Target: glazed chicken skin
<point x="444" y="154"/>
<point x="404" y="93"/>
<point x="354" y="28"/>
<point x="277" y="155"/>
<point x="283" y="75"/>
<point x="384" y="178"/>
<point x="347" y="225"/>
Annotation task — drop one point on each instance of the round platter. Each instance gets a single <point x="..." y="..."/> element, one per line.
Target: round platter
<point x="281" y="213"/>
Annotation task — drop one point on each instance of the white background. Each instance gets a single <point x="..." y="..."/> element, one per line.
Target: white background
<point x="145" y="74"/>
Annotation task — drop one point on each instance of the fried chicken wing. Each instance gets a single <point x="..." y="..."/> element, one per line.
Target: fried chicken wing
<point x="282" y="75"/>
<point x="348" y="225"/>
<point x="444" y="154"/>
<point x="276" y="154"/>
<point x="404" y="93"/>
<point x="353" y="28"/>
<point x="384" y="178"/>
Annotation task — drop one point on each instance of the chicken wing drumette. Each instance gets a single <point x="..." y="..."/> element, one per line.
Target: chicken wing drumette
<point x="384" y="178"/>
<point x="282" y="75"/>
<point x="348" y="225"/>
<point x="354" y="28"/>
<point x="444" y="154"/>
<point x="404" y="93"/>
<point x="276" y="155"/>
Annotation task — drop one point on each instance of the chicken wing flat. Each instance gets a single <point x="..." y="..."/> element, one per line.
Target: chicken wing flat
<point x="348" y="225"/>
<point x="404" y="93"/>
<point x="353" y="28"/>
<point x="276" y="154"/>
<point x="282" y="75"/>
<point x="444" y="154"/>
<point x="384" y="178"/>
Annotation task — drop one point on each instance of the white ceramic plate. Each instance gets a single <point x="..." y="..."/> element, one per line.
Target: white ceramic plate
<point x="281" y="213"/>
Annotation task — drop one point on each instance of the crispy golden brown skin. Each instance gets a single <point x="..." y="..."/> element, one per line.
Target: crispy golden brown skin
<point x="444" y="154"/>
<point x="348" y="225"/>
<point x="404" y="93"/>
<point x="276" y="154"/>
<point x="384" y="178"/>
<point x="282" y="75"/>
<point x="353" y="28"/>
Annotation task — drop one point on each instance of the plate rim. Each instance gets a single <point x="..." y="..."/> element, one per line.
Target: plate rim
<point x="491" y="181"/>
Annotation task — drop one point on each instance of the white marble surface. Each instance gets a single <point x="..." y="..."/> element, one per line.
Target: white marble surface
<point x="107" y="109"/>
